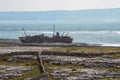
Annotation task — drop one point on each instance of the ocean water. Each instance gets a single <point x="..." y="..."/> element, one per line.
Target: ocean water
<point x="106" y="32"/>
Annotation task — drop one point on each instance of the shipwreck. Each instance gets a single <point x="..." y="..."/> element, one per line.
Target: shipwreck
<point x="46" y="39"/>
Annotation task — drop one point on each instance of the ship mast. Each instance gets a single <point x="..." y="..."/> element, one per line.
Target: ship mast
<point x="24" y="31"/>
<point x="54" y="30"/>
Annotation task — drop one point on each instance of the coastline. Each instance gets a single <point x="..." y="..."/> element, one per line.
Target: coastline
<point x="74" y="44"/>
<point x="18" y="42"/>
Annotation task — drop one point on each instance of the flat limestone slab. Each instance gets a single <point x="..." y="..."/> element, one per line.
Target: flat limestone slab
<point x="5" y="50"/>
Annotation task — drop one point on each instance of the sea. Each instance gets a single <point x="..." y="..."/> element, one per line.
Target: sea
<point x="106" y="33"/>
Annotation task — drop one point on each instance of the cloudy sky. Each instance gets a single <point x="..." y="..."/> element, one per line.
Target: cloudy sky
<point x="44" y="5"/>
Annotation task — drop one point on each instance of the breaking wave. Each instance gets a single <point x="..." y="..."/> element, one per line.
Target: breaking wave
<point x="77" y="32"/>
<point x="113" y="45"/>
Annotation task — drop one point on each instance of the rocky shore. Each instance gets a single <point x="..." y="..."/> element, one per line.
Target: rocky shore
<point x="54" y="63"/>
<point x="83" y="68"/>
<point x="14" y="42"/>
<point x="20" y="63"/>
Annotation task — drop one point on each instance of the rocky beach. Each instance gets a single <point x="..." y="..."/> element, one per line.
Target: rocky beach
<point x="58" y="62"/>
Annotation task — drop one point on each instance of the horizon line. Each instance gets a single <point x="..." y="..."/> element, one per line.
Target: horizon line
<point x="59" y="10"/>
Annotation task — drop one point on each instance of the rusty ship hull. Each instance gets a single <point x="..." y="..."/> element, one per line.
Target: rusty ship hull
<point x="39" y="39"/>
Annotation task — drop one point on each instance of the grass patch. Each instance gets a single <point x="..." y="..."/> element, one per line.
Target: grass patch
<point x="47" y="65"/>
<point x="19" y="63"/>
<point x="111" y="69"/>
<point x="5" y="61"/>
<point x="4" y="58"/>
<point x="2" y="68"/>
<point x="73" y="74"/>
<point x="117" y="55"/>
<point x="86" y="49"/>
<point x="98" y="68"/>
<point x="110" y="79"/>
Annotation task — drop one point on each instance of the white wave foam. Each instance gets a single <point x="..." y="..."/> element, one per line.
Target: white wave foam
<point x="111" y="20"/>
<point x="112" y="45"/>
<point x="95" y="32"/>
<point x="77" y="32"/>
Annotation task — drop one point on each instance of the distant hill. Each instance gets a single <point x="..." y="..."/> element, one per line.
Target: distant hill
<point x="75" y="15"/>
